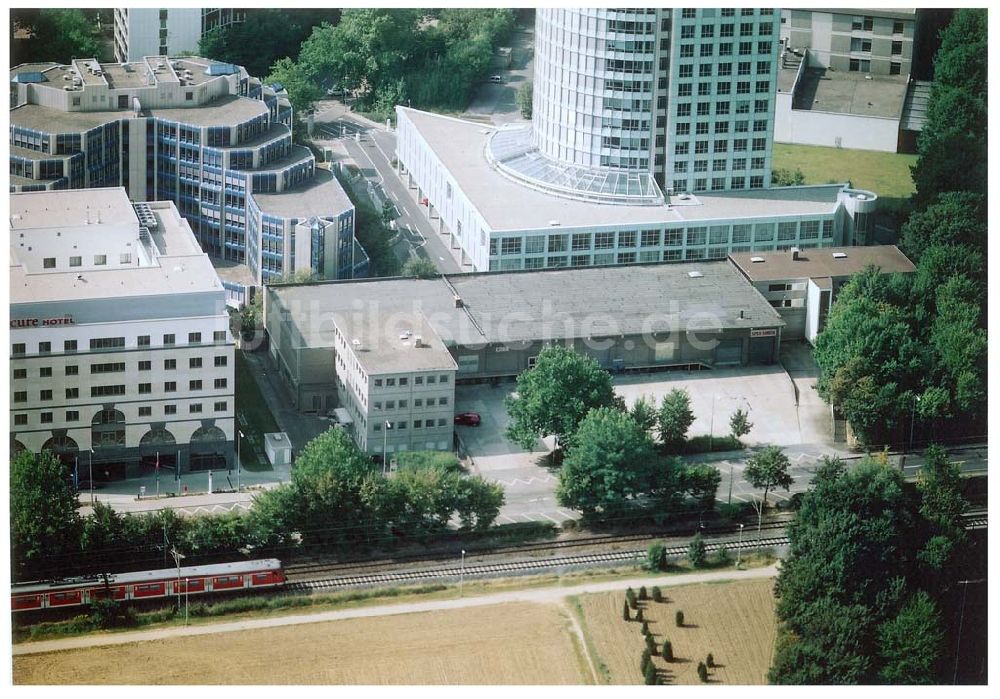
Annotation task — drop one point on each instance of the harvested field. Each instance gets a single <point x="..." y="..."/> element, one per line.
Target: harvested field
<point x="517" y="643"/>
<point x="733" y="621"/>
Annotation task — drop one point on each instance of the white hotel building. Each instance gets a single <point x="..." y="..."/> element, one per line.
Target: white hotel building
<point x="119" y="343"/>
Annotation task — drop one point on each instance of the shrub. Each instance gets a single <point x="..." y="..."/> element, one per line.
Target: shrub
<point x="697" y="551"/>
<point x="645" y="660"/>
<point x="710" y="661"/>
<point x="626" y="615"/>
<point x="109" y="614"/>
<point x="656" y="556"/>
<point x="650" y="645"/>
<point x="667" y="652"/>
<point x="657" y="595"/>
<point x="702" y="672"/>
<point x="630" y="597"/>
<point x="721" y="556"/>
<point x="642" y="593"/>
<point x="679" y="618"/>
<point x="638" y="615"/>
<point x="645" y="628"/>
<point x="650" y="674"/>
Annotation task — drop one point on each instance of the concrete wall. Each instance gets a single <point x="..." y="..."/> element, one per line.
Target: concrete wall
<point x="835" y="130"/>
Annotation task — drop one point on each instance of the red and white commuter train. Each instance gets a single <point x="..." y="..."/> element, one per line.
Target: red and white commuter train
<point x="149" y="585"/>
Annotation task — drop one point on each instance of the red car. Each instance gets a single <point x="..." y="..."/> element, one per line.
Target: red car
<point x="423" y="201"/>
<point x="470" y="419"/>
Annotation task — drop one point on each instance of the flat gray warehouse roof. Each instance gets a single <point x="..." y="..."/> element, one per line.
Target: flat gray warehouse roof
<point x="509" y="206"/>
<point x="517" y="307"/>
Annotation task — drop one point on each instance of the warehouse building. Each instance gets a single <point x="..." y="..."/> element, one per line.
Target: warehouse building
<point x="803" y="284"/>
<point x="390" y="351"/>
<point x="120" y="351"/>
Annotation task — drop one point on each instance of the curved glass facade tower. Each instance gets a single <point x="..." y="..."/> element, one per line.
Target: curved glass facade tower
<point x="630" y="102"/>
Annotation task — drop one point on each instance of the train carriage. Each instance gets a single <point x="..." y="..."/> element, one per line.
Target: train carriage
<point x="148" y="584"/>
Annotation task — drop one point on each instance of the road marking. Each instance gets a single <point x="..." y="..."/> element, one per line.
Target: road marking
<point x="551" y="519"/>
<point x="405" y="211"/>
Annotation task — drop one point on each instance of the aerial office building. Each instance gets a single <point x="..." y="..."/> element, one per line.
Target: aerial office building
<point x="202" y="134"/>
<point x="161" y="31"/>
<point x="650" y="140"/>
<point x="120" y="351"/>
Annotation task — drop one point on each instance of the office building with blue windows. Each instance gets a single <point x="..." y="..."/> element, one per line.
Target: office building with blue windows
<point x="202" y="134"/>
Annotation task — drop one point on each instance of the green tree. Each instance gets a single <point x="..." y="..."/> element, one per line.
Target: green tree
<point x="554" y="397"/>
<point x="56" y="35"/>
<point x="667" y="653"/>
<point x="656" y="558"/>
<point x="478" y="501"/>
<point x="768" y="469"/>
<point x="739" y="424"/>
<point x="610" y="463"/>
<point x="523" y="97"/>
<point x="787" y="178"/>
<point x="644" y="413"/>
<point x="697" y="551"/>
<point x="650" y="675"/>
<point x="679" y="618"/>
<point x="701" y="483"/>
<point x="702" y="672"/>
<point x="674" y="419"/>
<point x="951" y="156"/>
<point x="951" y="218"/>
<point x="420" y="267"/>
<point x="910" y="644"/>
<point x="45" y="526"/>
<point x="302" y="91"/>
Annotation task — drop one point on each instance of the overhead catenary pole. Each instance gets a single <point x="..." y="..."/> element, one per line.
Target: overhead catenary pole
<point x="739" y="547"/>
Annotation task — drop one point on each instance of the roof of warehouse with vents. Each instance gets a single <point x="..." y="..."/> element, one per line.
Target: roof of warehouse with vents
<point x="820" y="262"/>
<point x="513" y="307"/>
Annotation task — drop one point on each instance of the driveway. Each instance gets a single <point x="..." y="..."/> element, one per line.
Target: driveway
<point x="528" y="483"/>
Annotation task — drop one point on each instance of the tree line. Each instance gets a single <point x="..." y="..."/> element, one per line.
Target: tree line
<point x="337" y="499"/>
<point x="906" y="354"/>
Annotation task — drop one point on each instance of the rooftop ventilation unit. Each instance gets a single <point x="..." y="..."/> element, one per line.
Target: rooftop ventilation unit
<point x="695" y="274"/>
<point x="356" y="344"/>
<point x="756" y="259"/>
<point x="554" y="222"/>
<point x="839" y="255"/>
<point x="146" y="217"/>
<point x="406" y="335"/>
<point x="418" y="341"/>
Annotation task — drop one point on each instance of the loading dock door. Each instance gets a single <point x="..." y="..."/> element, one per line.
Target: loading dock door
<point x="762" y="350"/>
<point x="729" y="352"/>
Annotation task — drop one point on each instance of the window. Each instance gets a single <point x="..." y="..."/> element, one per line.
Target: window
<point x="221" y="360"/>
<point x="431" y="379"/>
<point x="44" y="347"/>
<point x="688" y="13"/>
<point x="390" y="382"/>
<point x="419" y="380"/>
<point x="69" y="346"/>
<point x="169" y="409"/>
<point x="897" y="27"/>
<point x="145" y="388"/>
<point x="220" y="406"/>
<point x="20" y="373"/>
<point x="626" y="239"/>
<point x="897" y="48"/>
<point x="169" y="386"/>
<point x="756" y="181"/>
<point x="17" y="348"/>
<point x="75" y="261"/>
<point x="707" y="31"/>
<point x="194" y="408"/>
<point x="895" y="68"/>
<point x="864" y="45"/>
<point x="220" y="383"/>
<point x="857" y="65"/>
<point x="194" y="363"/>
<point x="726" y="30"/>
<point x="21" y="419"/>
<point x="194" y="385"/>
<point x="378" y="383"/>
<point x="46" y="418"/>
<point x="684" y="110"/>
<point x="145" y="411"/>
<point x="145" y="365"/>
<point x="101" y="391"/>
<point x="219" y="336"/>
<point x="862" y="23"/>
<point x="107" y="368"/>
<point x="20" y="396"/>
<point x="143" y="341"/>
<point x="44" y="372"/>
<point x="100" y="260"/>
<point x="169" y="364"/>
<point x="45" y="394"/>
<point x="444" y="377"/>
<point x="99" y="343"/>
<point x="125" y="258"/>
<point x="417" y="424"/>
<point x="72" y="393"/>
<point x="169" y="339"/>
<point x="510" y="246"/>
<point x="194" y="338"/>
<point x="49" y="263"/>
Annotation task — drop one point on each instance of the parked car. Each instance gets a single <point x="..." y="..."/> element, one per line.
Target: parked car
<point x="496" y="79"/>
<point x="470" y="419"/>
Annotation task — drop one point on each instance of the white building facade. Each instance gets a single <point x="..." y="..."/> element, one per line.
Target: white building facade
<point x="160" y="31"/>
<point x="120" y="353"/>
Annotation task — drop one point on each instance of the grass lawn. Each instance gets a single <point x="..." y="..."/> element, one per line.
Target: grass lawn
<point x="886" y="174"/>
<point x="253" y="415"/>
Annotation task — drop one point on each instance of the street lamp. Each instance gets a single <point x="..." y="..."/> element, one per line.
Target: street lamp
<point x="177" y="558"/>
<point x="913" y="418"/>
<point x="385" y="439"/>
<point x="239" y="435"/>
<point x="739" y="547"/>
<point x="461" y="575"/>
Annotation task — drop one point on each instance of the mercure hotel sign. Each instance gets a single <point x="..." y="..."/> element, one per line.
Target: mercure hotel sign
<point x="40" y="322"/>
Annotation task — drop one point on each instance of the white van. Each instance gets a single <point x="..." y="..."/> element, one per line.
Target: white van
<point x="496" y="79"/>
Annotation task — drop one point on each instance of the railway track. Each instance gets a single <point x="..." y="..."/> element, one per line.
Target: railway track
<point x="973" y="521"/>
<point x="306" y="569"/>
